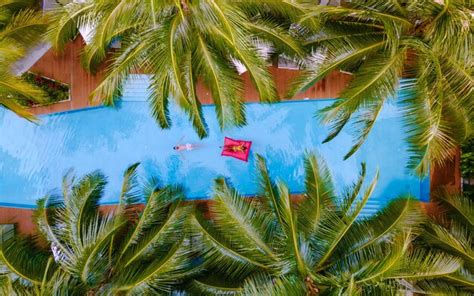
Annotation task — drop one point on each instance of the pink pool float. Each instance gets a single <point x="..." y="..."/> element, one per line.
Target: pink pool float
<point x="236" y="148"/>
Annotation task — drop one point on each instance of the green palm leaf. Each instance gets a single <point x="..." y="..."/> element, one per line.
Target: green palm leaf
<point x="24" y="28"/>
<point x="426" y="40"/>
<point x="181" y="44"/>
<point x="341" y="229"/>
<point x="82" y="203"/>
<point x="428" y="265"/>
<point x="160" y="205"/>
<point x="67" y="21"/>
<point x="319" y="194"/>
<point x="204" y="288"/>
<point x="23" y="258"/>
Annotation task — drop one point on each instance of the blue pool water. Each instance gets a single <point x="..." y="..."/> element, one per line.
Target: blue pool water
<point x="33" y="158"/>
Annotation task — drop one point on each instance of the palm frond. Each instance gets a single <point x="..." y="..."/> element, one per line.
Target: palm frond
<point x="448" y="30"/>
<point x="96" y="51"/>
<point x="210" y="289"/>
<point x="438" y="288"/>
<point x="195" y="109"/>
<point x="359" y="12"/>
<point x="334" y="230"/>
<point x="279" y="36"/>
<point x="459" y="207"/>
<point x="23" y="258"/>
<point x="224" y="84"/>
<point x="66" y="21"/>
<point x="170" y="266"/>
<point x="323" y="62"/>
<point x="262" y="284"/>
<point x="422" y="264"/>
<point x="12" y="89"/>
<point x="159" y="99"/>
<point x="18" y="109"/>
<point x="24" y="28"/>
<point x="418" y="40"/>
<point x="374" y="272"/>
<point x="89" y="261"/>
<point x="159" y="204"/>
<point x="46" y="217"/>
<point x="456" y="239"/>
<point x="130" y="192"/>
<point x="374" y="82"/>
<point x="402" y="215"/>
<point x="124" y="61"/>
<point x="269" y="191"/>
<point x="222" y="254"/>
<point x="319" y="194"/>
<point x="82" y="203"/>
<point x="434" y="126"/>
<point x="290" y="226"/>
<point x="351" y="192"/>
<point x="161" y="237"/>
<point x="232" y="215"/>
<point x="463" y="279"/>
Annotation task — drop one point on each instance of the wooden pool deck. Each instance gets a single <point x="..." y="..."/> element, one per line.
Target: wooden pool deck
<point x="66" y="67"/>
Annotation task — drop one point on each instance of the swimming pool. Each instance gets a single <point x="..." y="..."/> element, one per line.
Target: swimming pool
<point x="33" y="158"/>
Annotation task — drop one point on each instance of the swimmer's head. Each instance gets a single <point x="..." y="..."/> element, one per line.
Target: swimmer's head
<point x="175" y="147"/>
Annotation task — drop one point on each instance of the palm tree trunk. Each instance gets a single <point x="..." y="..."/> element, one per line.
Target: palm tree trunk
<point x="312" y="289"/>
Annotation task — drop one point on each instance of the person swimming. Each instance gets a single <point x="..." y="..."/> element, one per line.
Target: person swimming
<point x="184" y="147"/>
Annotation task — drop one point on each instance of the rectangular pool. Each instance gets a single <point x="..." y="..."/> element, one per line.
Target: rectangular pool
<point x="33" y="158"/>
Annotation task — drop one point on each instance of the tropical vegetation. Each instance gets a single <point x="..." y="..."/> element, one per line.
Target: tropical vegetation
<point x="181" y="43"/>
<point x="21" y="27"/>
<point x="55" y="91"/>
<point x="467" y="166"/>
<point x="85" y="250"/>
<point x="416" y="53"/>
<point x="450" y="230"/>
<point x="418" y="49"/>
<point x="319" y="244"/>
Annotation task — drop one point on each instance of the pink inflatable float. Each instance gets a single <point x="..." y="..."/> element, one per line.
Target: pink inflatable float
<point x="236" y="148"/>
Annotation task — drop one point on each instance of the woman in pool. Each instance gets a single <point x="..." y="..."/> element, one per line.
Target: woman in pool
<point x="184" y="147"/>
<point x="235" y="148"/>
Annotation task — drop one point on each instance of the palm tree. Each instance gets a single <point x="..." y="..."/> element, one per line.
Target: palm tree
<point x="88" y="251"/>
<point x="319" y="245"/>
<point x="420" y="48"/>
<point x="181" y="43"/>
<point x="451" y="230"/>
<point x="20" y="28"/>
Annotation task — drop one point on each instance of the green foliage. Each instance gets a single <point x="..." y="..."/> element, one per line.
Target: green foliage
<point x="467" y="158"/>
<point x="55" y="91"/>
<point x="181" y="43"/>
<point x="426" y="43"/>
<point x="321" y="244"/>
<point x="20" y="28"/>
<point x="450" y="231"/>
<point x="267" y="245"/>
<point x="89" y="251"/>
<point x="467" y="166"/>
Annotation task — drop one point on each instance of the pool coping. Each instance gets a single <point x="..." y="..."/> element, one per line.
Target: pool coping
<point x="117" y="105"/>
<point x="423" y="181"/>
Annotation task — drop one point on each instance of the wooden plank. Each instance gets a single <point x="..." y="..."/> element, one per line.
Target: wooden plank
<point x="22" y="218"/>
<point x="330" y="87"/>
<point x="66" y="67"/>
<point x="447" y="175"/>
